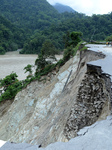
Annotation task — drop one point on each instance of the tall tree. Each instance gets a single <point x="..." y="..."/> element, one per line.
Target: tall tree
<point x="75" y="37"/>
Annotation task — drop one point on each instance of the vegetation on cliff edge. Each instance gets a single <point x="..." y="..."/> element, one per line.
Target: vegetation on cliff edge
<point x="11" y="85"/>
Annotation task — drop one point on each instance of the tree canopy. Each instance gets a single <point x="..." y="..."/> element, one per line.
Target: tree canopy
<point x="11" y="86"/>
<point x="32" y="22"/>
<point x="109" y="38"/>
<point x="11" y="37"/>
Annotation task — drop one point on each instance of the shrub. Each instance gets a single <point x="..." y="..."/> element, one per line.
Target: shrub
<point x="11" y="86"/>
<point x="2" y="51"/>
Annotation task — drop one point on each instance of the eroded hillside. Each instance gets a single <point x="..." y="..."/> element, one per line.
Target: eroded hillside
<point x="46" y="112"/>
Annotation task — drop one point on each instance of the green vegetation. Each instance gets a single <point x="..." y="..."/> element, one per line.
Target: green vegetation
<point x="25" y="16"/>
<point x="29" y="14"/>
<point x="95" y="28"/>
<point x="28" y="69"/>
<point x="11" y="86"/>
<point x="48" y="51"/>
<point x="109" y="38"/>
<point x="11" y="37"/>
<point x="37" y="28"/>
<point x="36" y="21"/>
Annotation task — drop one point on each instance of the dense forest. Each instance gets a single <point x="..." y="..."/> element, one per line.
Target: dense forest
<point x="28" y="24"/>
<point x="11" y="37"/>
<point x="29" y="14"/>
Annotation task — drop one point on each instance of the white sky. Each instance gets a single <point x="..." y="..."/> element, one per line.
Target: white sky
<point x="87" y="7"/>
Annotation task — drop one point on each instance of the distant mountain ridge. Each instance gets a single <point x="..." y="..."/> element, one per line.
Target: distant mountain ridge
<point x="63" y="8"/>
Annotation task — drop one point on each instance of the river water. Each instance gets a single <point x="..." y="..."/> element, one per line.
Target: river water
<point x="15" y="62"/>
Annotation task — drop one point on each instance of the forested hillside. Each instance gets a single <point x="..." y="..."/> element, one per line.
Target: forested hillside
<point x="25" y="16"/>
<point x="32" y="14"/>
<point x="38" y="21"/>
<point x="11" y="37"/>
<point x="95" y="28"/>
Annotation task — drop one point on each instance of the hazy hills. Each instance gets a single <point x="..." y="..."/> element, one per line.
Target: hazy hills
<point x="63" y="8"/>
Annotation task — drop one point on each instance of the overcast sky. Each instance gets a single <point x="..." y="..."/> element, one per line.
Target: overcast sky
<point x="87" y="7"/>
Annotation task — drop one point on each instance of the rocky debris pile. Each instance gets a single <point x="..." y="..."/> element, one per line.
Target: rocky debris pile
<point x="93" y="96"/>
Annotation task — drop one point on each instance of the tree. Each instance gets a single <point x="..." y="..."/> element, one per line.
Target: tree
<point x="66" y="39"/>
<point x="48" y="50"/>
<point x="2" y="51"/>
<point x="40" y="62"/>
<point x="28" y="69"/>
<point x="75" y="37"/>
<point x="11" y="86"/>
<point x="72" y="39"/>
<point x="109" y="38"/>
<point x="68" y="52"/>
<point x="8" y="80"/>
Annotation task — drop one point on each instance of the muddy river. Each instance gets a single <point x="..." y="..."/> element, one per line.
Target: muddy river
<point x="15" y="62"/>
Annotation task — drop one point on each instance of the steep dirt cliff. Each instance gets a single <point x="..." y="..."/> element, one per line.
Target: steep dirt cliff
<point x="46" y="112"/>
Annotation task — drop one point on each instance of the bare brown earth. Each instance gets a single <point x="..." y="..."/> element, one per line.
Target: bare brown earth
<point x="15" y="62"/>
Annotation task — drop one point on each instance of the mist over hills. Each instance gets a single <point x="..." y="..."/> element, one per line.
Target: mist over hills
<point x="63" y="8"/>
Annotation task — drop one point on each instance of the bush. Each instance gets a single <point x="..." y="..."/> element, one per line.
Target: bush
<point x="2" y="51"/>
<point x="11" y="91"/>
<point x="60" y="63"/>
<point x="68" y="53"/>
<point x="11" y="86"/>
<point x="48" y="69"/>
